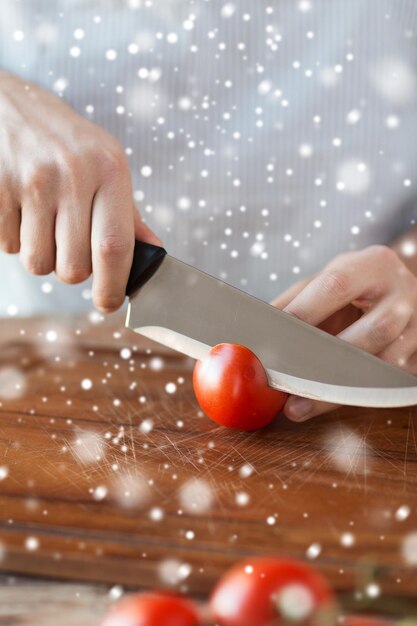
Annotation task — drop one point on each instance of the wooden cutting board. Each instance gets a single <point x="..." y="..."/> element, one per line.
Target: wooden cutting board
<point x="122" y="480"/>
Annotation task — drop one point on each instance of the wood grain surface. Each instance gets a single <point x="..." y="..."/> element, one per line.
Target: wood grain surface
<point x="126" y="482"/>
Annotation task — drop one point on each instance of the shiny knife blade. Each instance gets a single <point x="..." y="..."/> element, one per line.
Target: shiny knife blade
<point x="190" y="311"/>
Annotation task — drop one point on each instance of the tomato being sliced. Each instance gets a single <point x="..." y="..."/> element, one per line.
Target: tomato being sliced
<point x="273" y="592"/>
<point x="232" y="388"/>
<point x="153" y="609"/>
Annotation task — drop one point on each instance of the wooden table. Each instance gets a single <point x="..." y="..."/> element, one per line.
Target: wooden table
<point x="109" y="473"/>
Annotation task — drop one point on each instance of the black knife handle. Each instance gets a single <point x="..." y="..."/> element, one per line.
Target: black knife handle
<point x="146" y="260"/>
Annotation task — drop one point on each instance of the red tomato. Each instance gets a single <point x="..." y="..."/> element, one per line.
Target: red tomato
<point x="232" y="388"/>
<point x="272" y="592"/>
<point x="153" y="609"/>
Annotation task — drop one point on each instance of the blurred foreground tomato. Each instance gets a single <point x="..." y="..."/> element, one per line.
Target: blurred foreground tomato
<point x="232" y="388"/>
<point x="273" y="592"/>
<point x="153" y="609"/>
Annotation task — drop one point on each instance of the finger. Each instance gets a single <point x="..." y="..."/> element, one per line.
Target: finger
<point x="143" y="232"/>
<point x="112" y="236"/>
<point x="37" y="236"/>
<point x="9" y="222"/>
<point x="338" y="285"/>
<point x="73" y="238"/>
<point x="301" y="409"/>
<point x="403" y="348"/>
<point x="289" y="294"/>
<point x="380" y="326"/>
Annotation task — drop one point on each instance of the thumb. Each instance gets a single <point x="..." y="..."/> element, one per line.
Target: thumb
<point x="143" y="232"/>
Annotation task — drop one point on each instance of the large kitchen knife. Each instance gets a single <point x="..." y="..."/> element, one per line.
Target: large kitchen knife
<point x="190" y="311"/>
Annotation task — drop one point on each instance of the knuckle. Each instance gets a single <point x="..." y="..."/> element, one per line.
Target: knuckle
<point x="112" y="160"/>
<point x="384" y="255"/>
<point x="114" y="246"/>
<point x="385" y="329"/>
<point x="36" y="180"/>
<point x="335" y="283"/>
<point x="69" y="163"/>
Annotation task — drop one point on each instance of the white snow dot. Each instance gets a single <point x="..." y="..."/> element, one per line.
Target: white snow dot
<point x="125" y="353"/>
<point x="304" y="5"/>
<point x="170" y="388"/>
<point x="402" y="513"/>
<point x="32" y="544"/>
<point x="116" y="592"/>
<point x="305" y="150"/>
<point x="156" y="364"/>
<point x="100" y="493"/>
<point x="156" y="514"/>
<point x="172" y="571"/>
<point x="75" y="52"/>
<point x="313" y="551"/>
<point x="172" y="38"/>
<point x="373" y="590"/>
<point x="133" y="48"/>
<point x="246" y="470"/>
<point x="86" y="384"/>
<point x="407" y="182"/>
<point x="60" y="85"/>
<point x="353" y="116"/>
<point x="146" y="426"/>
<point x="196" y="496"/>
<point x="146" y="171"/>
<point x="295" y="602"/>
<point x="79" y="33"/>
<point x="4" y="472"/>
<point x="408" y="248"/>
<point x="242" y="498"/>
<point x="51" y="336"/>
<point x="347" y="540"/>
<point x="190" y="534"/>
<point x="228" y="10"/>
<point x="392" y="122"/>
<point x="18" y="35"/>
<point x="111" y="54"/>
<point x="271" y="521"/>
<point x="46" y="287"/>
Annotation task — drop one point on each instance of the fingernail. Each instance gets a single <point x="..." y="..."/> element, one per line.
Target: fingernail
<point x="299" y="407"/>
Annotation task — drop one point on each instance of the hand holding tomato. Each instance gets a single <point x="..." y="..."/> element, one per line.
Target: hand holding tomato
<point x="232" y="388"/>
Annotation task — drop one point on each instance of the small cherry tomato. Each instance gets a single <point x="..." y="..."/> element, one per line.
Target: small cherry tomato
<point x="153" y="609"/>
<point x="272" y="592"/>
<point x="232" y="388"/>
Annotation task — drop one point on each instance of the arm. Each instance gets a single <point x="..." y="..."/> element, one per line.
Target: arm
<point x="66" y="199"/>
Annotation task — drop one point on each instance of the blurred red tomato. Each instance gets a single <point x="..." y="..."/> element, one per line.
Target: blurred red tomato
<point x="272" y="592"/>
<point x="232" y="388"/>
<point x="153" y="609"/>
